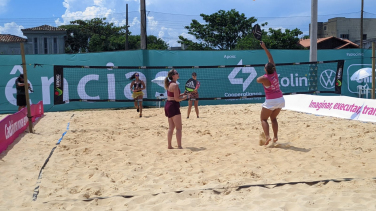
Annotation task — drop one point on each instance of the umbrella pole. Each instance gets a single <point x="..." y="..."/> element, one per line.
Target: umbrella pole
<point x="373" y="70"/>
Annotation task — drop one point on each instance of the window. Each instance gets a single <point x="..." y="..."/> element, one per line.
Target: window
<point x="35" y="45"/>
<point x="45" y="46"/>
<point x="324" y="27"/>
<point x="344" y="36"/>
<point x="55" y="45"/>
<point x="364" y="36"/>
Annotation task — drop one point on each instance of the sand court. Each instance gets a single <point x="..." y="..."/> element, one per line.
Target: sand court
<point x="114" y="160"/>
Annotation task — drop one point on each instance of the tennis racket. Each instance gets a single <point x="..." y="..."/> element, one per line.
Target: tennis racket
<point x="190" y="85"/>
<point x="256" y="31"/>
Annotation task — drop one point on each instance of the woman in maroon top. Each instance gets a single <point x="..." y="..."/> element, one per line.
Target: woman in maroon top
<point x="172" y="107"/>
<point x="274" y="101"/>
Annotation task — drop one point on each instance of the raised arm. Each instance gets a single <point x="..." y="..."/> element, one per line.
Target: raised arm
<point x="270" y="57"/>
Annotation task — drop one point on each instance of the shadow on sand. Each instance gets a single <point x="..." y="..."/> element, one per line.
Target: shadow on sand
<point x="287" y="146"/>
<point x="195" y="149"/>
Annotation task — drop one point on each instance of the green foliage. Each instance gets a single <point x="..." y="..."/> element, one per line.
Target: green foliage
<point x="273" y="39"/>
<point x="222" y="30"/>
<point x="288" y="39"/>
<point x="97" y="35"/>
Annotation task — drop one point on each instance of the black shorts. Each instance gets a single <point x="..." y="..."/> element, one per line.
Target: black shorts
<point x="21" y="100"/>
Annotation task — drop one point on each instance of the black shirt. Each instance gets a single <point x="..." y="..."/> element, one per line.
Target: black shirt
<point x="20" y="89"/>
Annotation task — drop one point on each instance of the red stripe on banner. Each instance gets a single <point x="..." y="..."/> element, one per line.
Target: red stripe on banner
<point x="13" y="125"/>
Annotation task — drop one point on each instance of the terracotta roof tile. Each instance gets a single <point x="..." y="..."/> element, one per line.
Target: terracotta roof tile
<point x="307" y="42"/>
<point x="44" y="28"/>
<point x="11" y="38"/>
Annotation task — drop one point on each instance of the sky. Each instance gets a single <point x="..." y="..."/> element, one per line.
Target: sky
<point x="166" y="18"/>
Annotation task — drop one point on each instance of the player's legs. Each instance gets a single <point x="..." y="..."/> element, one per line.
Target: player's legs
<point x="196" y="108"/>
<point x="265" y="114"/>
<point x="140" y="104"/>
<point x="178" y="126"/>
<point x="170" y="131"/>
<point x="136" y="103"/>
<point x="189" y="108"/>
<point x="273" y="119"/>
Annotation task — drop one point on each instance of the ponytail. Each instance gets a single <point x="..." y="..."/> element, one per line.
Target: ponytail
<point x="166" y="83"/>
<point x="168" y="78"/>
<point x="133" y="76"/>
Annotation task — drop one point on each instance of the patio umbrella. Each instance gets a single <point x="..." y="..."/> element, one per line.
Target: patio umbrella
<point x="160" y="80"/>
<point x="361" y="73"/>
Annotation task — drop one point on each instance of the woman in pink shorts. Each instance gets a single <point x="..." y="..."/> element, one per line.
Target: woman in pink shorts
<point x="274" y="100"/>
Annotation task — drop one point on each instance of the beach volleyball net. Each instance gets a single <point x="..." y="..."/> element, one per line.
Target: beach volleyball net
<point x="112" y="84"/>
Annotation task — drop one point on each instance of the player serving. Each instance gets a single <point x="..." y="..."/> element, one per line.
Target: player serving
<point x="274" y="100"/>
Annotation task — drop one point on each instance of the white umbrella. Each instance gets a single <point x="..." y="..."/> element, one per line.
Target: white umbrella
<point x="160" y="80"/>
<point x="361" y="73"/>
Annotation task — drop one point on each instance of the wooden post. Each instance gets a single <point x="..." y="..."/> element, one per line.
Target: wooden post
<point x="26" y="88"/>
<point x="373" y="70"/>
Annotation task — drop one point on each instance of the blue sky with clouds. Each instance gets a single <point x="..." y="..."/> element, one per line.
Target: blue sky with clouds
<point x="167" y="18"/>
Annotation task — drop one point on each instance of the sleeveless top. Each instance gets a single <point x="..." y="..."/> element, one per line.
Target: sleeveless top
<point x="273" y="91"/>
<point x="137" y="84"/>
<point x="171" y="94"/>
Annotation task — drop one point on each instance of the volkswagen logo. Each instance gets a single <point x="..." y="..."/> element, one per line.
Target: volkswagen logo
<point x="327" y="79"/>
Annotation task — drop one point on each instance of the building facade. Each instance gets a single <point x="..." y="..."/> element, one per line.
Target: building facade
<point x="348" y="28"/>
<point x="10" y="44"/>
<point x="45" y="39"/>
<point x="40" y="40"/>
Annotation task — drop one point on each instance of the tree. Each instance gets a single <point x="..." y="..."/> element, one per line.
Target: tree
<point x="289" y="39"/>
<point x="92" y="35"/>
<point x="221" y="31"/>
<point x="96" y="35"/>
<point x="77" y="40"/>
<point x="273" y="39"/>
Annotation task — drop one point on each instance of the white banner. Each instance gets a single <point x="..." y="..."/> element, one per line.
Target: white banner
<point x="335" y="106"/>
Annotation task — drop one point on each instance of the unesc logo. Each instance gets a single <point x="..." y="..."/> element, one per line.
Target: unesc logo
<point x="327" y="79"/>
<point x="252" y="75"/>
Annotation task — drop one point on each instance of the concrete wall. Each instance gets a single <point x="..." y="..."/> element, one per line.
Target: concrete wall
<point x="351" y="26"/>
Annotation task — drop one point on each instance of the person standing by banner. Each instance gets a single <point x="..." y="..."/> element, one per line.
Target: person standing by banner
<point x="21" y="97"/>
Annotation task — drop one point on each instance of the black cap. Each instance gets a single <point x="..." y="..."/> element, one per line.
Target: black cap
<point x="194" y="74"/>
<point x="21" y="76"/>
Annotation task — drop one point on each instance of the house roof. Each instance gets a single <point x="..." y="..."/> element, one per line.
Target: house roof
<point x="11" y="38"/>
<point x="307" y="42"/>
<point x="44" y="28"/>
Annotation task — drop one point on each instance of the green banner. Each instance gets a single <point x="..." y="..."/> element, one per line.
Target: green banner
<point x="40" y="74"/>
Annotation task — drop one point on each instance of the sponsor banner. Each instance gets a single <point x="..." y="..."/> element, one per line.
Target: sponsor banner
<point x="13" y="125"/>
<point x="55" y="89"/>
<point x="335" y="106"/>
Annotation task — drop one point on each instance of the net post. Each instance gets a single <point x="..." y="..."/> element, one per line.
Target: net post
<point x="312" y="77"/>
<point x="373" y="70"/>
<point x="58" y="85"/>
<point x="338" y="79"/>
